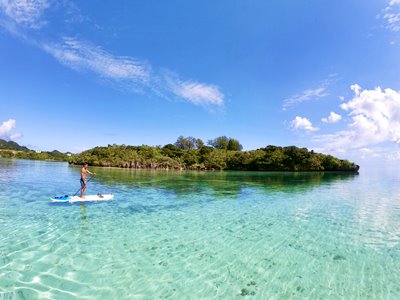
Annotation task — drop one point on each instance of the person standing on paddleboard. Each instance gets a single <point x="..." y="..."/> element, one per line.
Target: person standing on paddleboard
<point x="83" y="178"/>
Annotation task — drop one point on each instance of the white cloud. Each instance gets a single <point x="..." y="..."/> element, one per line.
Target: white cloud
<point x="195" y="92"/>
<point x="124" y="72"/>
<point x="199" y="93"/>
<point x="81" y="55"/>
<point x="26" y="13"/>
<point x="300" y="123"/>
<point x="7" y="126"/>
<point x="16" y="136"/>
<point x="367" y="152"/>
<point x="392" y="15"/>
<point x="333" y="118"/>
<point x="375" y="116"/>
<point x="5" y="130"/>
<point x="309" y="94"/>
<point x="356" y="89"/>
<point x="393" y="156"/>
<point x="305" y="95"/>
<point x="130" y="73"/>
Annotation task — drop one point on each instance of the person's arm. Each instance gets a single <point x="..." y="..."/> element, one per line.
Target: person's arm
<point x="91" y="173"/>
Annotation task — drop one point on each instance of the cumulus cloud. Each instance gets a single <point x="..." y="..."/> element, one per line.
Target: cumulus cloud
<point x="375" y="118"/>
<point x="5" y="130"/>
<point x="25" y="13"/>
<point x="356" y="89"/>
<point x="332" y="118"/>
<point x="300" y="123"/>
<point x="7" y="126"/>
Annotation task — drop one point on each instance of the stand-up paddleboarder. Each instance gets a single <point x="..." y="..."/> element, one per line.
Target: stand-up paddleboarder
<point x="83" y="178"/>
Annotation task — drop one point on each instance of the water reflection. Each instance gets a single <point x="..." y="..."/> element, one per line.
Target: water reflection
<point x="220" y="184"/>
<point x="83" y="213"/>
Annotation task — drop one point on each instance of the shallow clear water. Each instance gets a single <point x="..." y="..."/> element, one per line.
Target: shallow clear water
<point x="189" y="235"/>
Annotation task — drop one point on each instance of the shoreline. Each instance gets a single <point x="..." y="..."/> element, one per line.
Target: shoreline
<point x="185" y="169"/>
<point x="205" y="170"/>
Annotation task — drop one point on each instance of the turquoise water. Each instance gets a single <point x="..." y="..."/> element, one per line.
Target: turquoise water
<point x="189" y="235"/>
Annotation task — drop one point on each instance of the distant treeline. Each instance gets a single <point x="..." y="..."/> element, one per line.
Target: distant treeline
<point x="221" y="153"/>
<point x="220" y="156"/>
<point x="34" y="155"/>
<point x="10" y="149"/>
<point x="10" y="145"/>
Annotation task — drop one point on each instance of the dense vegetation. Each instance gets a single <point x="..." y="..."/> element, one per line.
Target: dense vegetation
<point x="34" y="155"/>
<point x="10" y="145"/>
<point x="222" y="153"/>
<point x="10" y="149"/>
<point x="195" y="155"/>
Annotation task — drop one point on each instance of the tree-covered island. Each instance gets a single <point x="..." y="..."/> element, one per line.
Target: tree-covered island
<point x="188" y="153"/>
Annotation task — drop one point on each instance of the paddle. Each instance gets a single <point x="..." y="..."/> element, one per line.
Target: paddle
<point x="81" y="187"/>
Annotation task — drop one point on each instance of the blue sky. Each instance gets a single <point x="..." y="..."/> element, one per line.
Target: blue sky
<point x="316" y="74"/>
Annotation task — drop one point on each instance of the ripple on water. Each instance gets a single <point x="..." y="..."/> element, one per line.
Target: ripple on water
<point x="199" y="235"/>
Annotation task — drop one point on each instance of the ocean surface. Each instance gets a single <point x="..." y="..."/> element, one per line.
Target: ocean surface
<point x="198" y="235"/>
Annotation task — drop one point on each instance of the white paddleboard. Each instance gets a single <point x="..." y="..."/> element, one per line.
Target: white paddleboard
<point x="87" y="198"/>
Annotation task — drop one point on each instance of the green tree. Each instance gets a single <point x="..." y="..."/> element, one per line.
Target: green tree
<point x="220" y="142"/>
<point x="236" y="161"/>
<point x="296" y="158"/>
<point x="188" y="143"/>
<point x="172" y="151"/>
<point x="190" y="158"/>
<point x="199" y="143"/>
<point x="216" y="159"/>
<point x="270" y="158"/>
<point x="331" y="163"/>
<point x="273" y="160"/>
<point x="184" y="144"/>
<point x="314" y="162"/>
<point x="203" y="152"/>
<point x="234" y="145"/>
<point x="223" y="142"/>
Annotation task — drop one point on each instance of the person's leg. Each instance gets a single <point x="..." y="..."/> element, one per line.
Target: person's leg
<point x="83" y="186"/>
<point x="81" y="182"/>
<point x="83" y="190"/>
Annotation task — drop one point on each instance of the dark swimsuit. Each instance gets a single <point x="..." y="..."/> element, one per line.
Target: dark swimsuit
<point x="83" y="182"/>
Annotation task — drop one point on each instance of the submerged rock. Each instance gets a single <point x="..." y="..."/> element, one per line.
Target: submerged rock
<point x="339" y="257"/>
